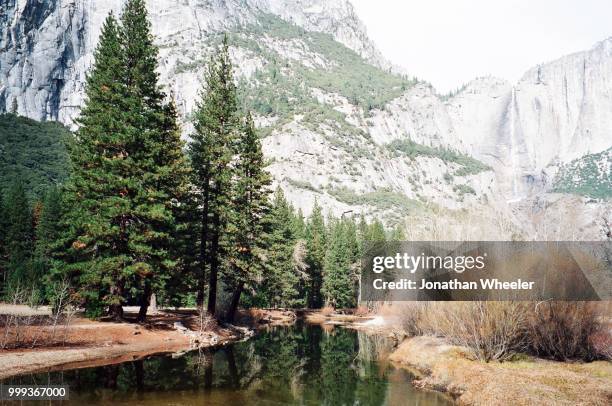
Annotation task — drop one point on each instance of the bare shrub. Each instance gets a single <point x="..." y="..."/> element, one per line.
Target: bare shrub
<point x="602" y="343"/>
<point x="15" y="326"/>
<point x="491" y="330"/>
<point x="361" y="311"/>
<point x="498" y="330"/>
<point x="205" y="321"/>
<point x="568" y="330"/>
<point x="25" y="327"/>
<point x="411" y="316"/>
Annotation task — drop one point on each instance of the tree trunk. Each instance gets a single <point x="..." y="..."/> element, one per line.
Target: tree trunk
<point x="203" y="242"/>
<point x="144" y="302"/>
<point x="116" y="310"/>
<point x="214" y="256"/>
<point x="214" y="269"/>
<point x="153" y="303"/>
<point x="231" y="312"/>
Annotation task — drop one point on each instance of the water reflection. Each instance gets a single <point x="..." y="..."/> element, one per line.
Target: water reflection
<point x="300" y="365"/>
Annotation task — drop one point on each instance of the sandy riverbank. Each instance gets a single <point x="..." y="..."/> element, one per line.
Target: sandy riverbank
<point x="530" y="381"/>
<point x="86" y="343"/>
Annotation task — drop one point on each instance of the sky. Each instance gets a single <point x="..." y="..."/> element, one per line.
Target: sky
<point x="450" y="42"/>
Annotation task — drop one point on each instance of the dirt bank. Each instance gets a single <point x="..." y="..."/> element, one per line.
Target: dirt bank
<point x="261" y="318"/>
<point x="323" y="316"/>
<point x="530" y="381"/>
<point x="86" y="343"/>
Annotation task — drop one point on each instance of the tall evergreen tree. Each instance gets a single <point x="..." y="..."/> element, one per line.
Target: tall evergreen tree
<point x="250" y="206"/>
<point x="101" y="216"/>
<point x="362" y="234"/>
<point x="211" y="151"/>
<point x="316" y="247"/>
<point x="19" y="237"/>
<point x="183" y="230"/>
<point x="298" y="224"/>
<point x="370" y="234"/>
<point x="47" y="233"/>
<point x="128" y="172"/>
<point x="140" y="60"/>
<point x="157" y="151"/>
<point x="47" y="226"/>
<point x="3" y="242"/>
<point x="339" y="280"/>
<point x="15" y="107"/>
<point x="281" y="281"/>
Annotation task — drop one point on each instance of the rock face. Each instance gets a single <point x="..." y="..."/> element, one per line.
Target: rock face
<point x="338" y="126"/>
<point x="556" y="113"/>
<point x="46" y="47"/>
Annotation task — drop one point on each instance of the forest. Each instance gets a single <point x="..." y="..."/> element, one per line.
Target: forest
<point x="124" y="209"/>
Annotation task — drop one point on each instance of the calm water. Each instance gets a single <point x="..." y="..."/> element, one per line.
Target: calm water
<point x="300" y="365"/>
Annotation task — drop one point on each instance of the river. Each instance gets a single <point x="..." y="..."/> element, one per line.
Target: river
<point x="297" y="365"/>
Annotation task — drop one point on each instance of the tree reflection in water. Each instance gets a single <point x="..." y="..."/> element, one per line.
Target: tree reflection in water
<point x="286" y="365"/>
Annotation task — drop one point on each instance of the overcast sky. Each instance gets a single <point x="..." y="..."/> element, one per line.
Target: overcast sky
<point x="449" y="42"/>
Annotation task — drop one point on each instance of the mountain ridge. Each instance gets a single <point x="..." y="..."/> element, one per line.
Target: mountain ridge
<point x="337" y="128"/>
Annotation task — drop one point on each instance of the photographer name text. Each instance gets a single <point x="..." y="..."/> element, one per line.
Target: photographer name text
<point x="453" y="284"/>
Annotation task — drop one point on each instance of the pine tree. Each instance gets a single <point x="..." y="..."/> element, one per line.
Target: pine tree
<point x="95" y="252"/>
<point x="362" y="234"/>
<point x="19" y="237"/>
<point x="281" y="281"/>
<point x="250" y="206"/>
<point x="140" y="58"/>
<point x="157" y="152"/>
<point x="371" y="234"/>
<point x="211" y="151"/>
<point x="298" y="224"/>
<point x="316" y="247"/>
<point x="183" y="230"/>
<point x="339" y="280"/>
<point x="3" y="242"/>
<point x="47" y="225"/>
<point x="128" y="173"/>
<point x="47" y="234"/>
<point x="15" y="106"/>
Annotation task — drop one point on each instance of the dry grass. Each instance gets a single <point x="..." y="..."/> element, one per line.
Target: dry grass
<point x="529" y="381"/>
<point x="327" y="311"/>
<point x="500" y="330"/>
<point x="361" y="311"/>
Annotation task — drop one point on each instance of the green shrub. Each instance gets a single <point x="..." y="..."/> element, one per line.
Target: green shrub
<point x="464" y="190"/>
<point x="382" y="199"/>
<point x="589" y="175"/>
<point x="301" y="184"/>
<point x="411" y="149"/>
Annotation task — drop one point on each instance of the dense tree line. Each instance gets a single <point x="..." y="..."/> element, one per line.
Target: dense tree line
<point x="141" y="213"/>
<point x="312" y="262"/>
<point x="35" y="152"/>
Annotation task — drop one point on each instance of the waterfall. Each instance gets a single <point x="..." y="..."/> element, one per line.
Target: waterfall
<point x="513" y="148"/>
